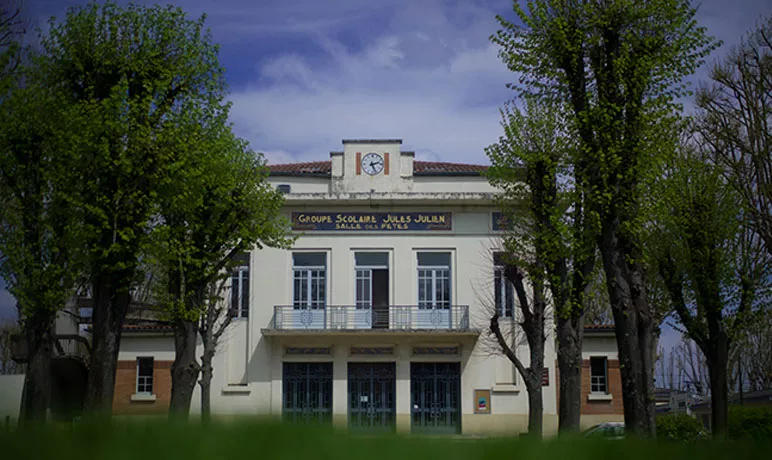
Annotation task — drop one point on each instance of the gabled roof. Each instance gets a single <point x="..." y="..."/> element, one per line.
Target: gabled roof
<point x="420" y="168"/>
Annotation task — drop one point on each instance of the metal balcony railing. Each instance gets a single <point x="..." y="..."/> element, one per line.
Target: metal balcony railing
<point x="351" y="317"/>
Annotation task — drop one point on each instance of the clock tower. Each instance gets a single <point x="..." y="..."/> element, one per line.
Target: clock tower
<point x="372" y="166"/>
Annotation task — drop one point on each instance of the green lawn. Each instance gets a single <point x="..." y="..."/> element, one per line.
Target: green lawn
<point x="251" y="440"/>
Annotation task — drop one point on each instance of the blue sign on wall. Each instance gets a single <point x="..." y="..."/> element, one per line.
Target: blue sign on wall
<point x="388" y="221"/>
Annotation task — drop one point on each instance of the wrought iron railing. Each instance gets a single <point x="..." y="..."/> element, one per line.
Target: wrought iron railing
<point x="391" y="317"/>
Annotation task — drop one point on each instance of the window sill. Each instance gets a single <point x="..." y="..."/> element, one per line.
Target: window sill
<point x="505" y="388"/>
<point x="599" y="397"/>
<point x="236" y="389"/>
<point x="142" y="397"/>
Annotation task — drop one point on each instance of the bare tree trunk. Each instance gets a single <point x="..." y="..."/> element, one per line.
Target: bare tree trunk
<point x="39" y="336"/>
<point x="185" y="368"/>
<point x="532" y="376"/>
<point x="718" y="361"/>
<point x="111" y="301"/>
<point x="535" y="410"/>
<point x="634" y="328"/>
<point x="570" y="333"/>
<point x="206" y="386"/>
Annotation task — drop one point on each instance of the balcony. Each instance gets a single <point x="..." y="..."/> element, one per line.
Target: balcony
<point x="386" y="319"/>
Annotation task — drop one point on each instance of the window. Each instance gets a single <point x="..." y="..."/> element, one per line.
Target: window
<point x="503" y="289"/>
<point x="309" y="277"/>
<point x="145" y="376"/>
<point x="434" y="280"/>
<point x="240" y="292"/>
<point x="598" y="375"/>
<point x="371" y="278"/>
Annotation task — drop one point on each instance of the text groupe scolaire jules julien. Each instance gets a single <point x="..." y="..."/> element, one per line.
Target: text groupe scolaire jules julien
<point x="388" y="219"/>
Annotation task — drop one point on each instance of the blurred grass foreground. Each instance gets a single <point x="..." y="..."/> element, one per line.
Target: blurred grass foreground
<point x="150" y="440"/>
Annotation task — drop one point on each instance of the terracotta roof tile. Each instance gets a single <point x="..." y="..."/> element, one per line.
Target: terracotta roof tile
<point x="420" y="168"/>
<point x="147" y="328"/>
<point x="312" y="168"/>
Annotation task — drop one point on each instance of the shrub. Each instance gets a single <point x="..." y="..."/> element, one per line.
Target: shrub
<point x="750" y="422"/>
<point x="679" y="427"/>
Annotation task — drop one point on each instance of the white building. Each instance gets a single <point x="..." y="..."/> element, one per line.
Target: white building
<point x="377" y="317"/>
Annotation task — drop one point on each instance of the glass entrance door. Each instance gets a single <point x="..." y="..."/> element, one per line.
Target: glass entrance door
<point x="372" y="396"/>
<point x="435" y="397"/>
<point x="307" y="392"/>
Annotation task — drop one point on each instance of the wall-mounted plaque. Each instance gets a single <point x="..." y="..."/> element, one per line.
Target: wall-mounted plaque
<point x="482" y="401"/>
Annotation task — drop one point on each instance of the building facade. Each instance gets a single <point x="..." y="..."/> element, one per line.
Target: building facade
<point x="377" y="318"/>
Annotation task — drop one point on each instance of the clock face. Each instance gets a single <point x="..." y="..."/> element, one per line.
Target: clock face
<point x="372" y="163"/>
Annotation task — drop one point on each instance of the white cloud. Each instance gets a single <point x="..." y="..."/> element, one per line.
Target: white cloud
<point x="437" y="87"/>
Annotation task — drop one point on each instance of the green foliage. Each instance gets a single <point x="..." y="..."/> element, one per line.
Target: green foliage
<point x="525" y="166"/>
<point x="38" y="225"/>
<point x="136" y="78"/>
<point x="244" y="439"/>
<point x="549" y="232"/>
<point x="750" y="423"/>
<point x="679" y="427"/>
<point x="712" y="265"/>
<point x="217" y="205"/>
<point x="620" y="65"/>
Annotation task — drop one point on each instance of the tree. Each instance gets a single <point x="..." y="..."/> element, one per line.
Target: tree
<point x="619" y="65"/>
<point x="38" y="224"/>
<point x="735" y="112"/>
<point x="219" y="207"/>
<point x="135" y="75"/>
<point x="550" y="236"/>
<point x="712" y="264"/>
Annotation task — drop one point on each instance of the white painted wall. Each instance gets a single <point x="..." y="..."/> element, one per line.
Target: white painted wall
<point x="247" y="367"/>
<point x="11" y="387"/>
<point x="593" y="345"/>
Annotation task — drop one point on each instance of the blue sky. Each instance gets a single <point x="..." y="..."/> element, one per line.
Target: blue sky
<point x="305" y="74"/>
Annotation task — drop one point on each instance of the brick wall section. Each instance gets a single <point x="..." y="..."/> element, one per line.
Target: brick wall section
<point x="126" y="385"/>
<point x="613" y="407"/>
<point x="614" y="387"/>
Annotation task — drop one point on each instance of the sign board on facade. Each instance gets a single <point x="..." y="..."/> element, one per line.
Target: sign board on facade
<point x="388" y="221"/>
<point x="482" y="401"/>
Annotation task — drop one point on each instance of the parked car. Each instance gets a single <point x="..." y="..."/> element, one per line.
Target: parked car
<point x="606" y="430"/>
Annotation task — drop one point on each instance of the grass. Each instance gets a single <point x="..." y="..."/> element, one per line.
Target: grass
<point x="247" y="440"/>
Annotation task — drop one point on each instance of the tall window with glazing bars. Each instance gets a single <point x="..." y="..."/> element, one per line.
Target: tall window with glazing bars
<point x="503" y="290"/>
<point x="240" y="287"/>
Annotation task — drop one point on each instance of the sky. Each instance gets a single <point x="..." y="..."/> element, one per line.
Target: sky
<point x="305" y="74"/>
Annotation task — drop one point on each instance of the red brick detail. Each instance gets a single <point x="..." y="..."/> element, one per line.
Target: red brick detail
<point x="614" y="406"/>
<point x="359" y="163"/>
<point x="386" y="163"/>
<point x="545" y="377"/>
<point x="126" y="386"/>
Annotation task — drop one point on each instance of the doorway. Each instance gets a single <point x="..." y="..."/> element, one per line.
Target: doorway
<point x="435" y="397"/>
<point x="372" y="289"/>
<point x="372" y="396"/>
